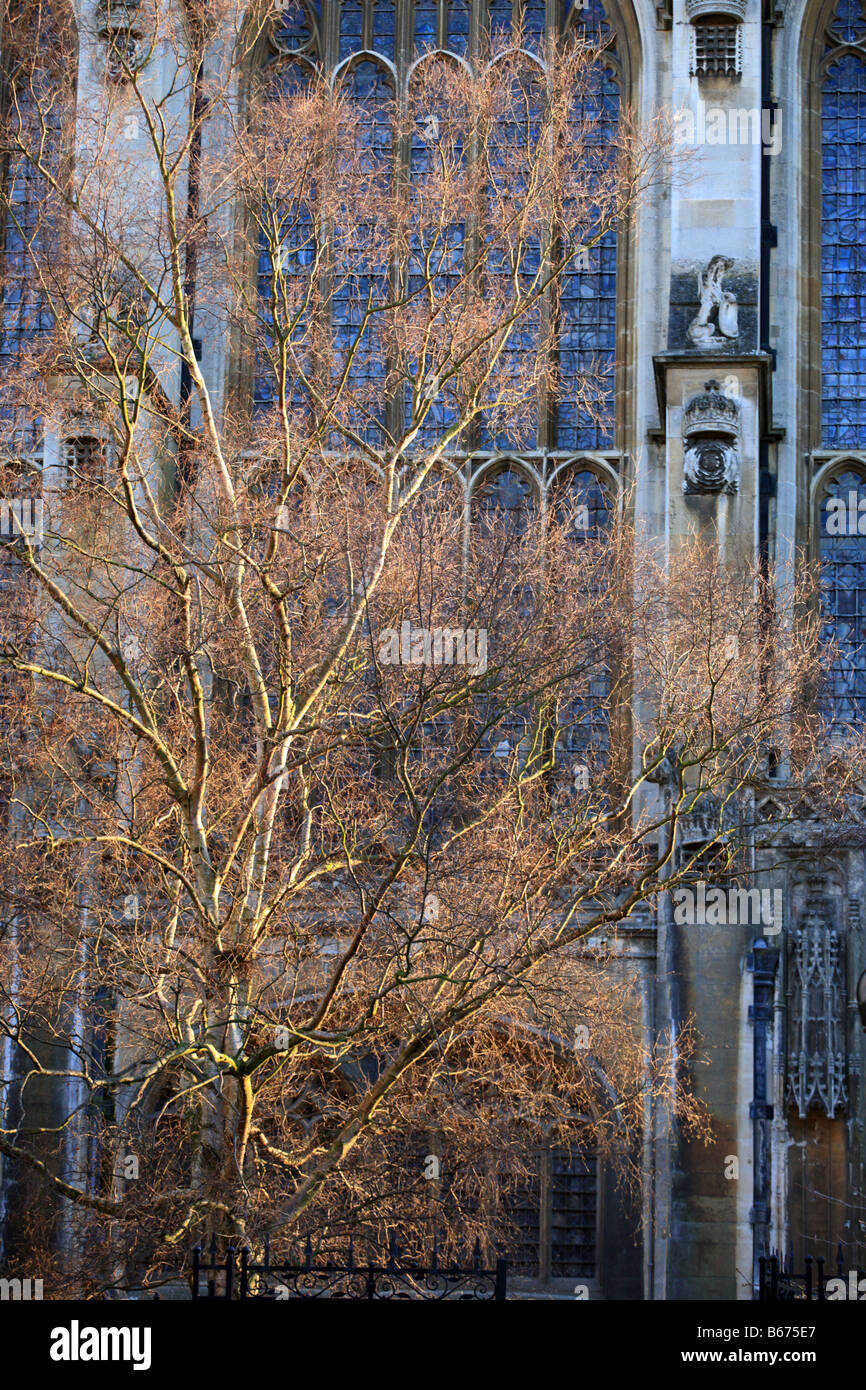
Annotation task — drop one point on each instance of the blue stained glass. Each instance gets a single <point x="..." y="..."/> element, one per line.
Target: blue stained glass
<point x="843" y="255"/>
<point x="351" y="27"/>
<point x="587" y="307"/>
<point x="848" y="20"/>
<point x="504" y="498"/>
<point x="361" y="271"/>
<point x="589" y="17"/>
<point x="383" y="27"/>
<point x="843" y="598"/>
<point x="458" y="26"/>
<point x="426" y="24"/>
<point x="30" y="223"/>
<point x="500" y="20"/>
<point x="534" y="22"/>
<point x="295" y="29"/>
<point x="512" y="393"/>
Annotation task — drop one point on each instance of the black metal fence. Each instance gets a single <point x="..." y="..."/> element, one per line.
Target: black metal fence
<point x="778" y="1282"/>
<point x="240" y="1275"/>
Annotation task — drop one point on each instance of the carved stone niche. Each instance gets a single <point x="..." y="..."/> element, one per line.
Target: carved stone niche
<point x="817" y="1062"/>
<point x="119" y="25"/>
<point x="711" y="435"/>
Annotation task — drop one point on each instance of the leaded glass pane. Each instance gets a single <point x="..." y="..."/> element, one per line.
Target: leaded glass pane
<point x="586" y="300"/>
<point x="294" y="29"/>
<point x="30" y="225"/>
<point x="384" y="21"/>
<point x="361" y="272"/>
<point x="587" y="306"/>
<point x="843" y="255"/>
<point x="458" y="26"/>
<point x="351" y="27"/>
<point x="426" y="24"/>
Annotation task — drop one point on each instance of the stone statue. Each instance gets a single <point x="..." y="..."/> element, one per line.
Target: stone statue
<point x="718" y="307"/>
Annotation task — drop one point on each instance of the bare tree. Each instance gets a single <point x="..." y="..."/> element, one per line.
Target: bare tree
<point x="326" y="792"/>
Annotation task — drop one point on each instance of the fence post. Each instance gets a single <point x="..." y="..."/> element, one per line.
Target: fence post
<point x="196" y="1261"/>
<point x="501" y="1280"/>
<point x="245" y="1262"/>
<point x="230" y="1270"/>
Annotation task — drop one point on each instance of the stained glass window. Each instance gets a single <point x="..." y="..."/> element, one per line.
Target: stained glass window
<point x="587" y="302"/>
<point x="458" y="26"/>
<point x="426" y="24"/>
<point x="361" y="272"/>
<point x="843" y="255"/>
<point x="29" y="223"/>
<point x="351" y="27"/>
<point x="585" y="314"/>
<point x="506" y="498"/>
<point x="843" y="596"/>
<point x="294" y="31"/>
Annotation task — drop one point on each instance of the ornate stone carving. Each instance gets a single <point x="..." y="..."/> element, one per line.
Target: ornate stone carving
<point x="700" y="9"/>
<point x="120" y="28"/>
<point x="711" y="429"/>
<point x="817" y="1054"/>
<point x="718" y="307"/>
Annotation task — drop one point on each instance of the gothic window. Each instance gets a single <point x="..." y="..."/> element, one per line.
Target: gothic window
<point x="36" y="69"/>
<point x="585" y="314"/>
<point x="360" y="267"/>
<point x="581" y="502"/>
<point x="842" y="550"/>
<point x="504" y="497"/>
<point x="551" y="1220"/>
<point x="817" y="994"/>
<point x="587" y="291"/>
<point x="843" y="231"/>
<point x="297" y="28"/>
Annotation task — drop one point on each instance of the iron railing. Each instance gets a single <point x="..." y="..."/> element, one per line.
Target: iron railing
<point x="778" y="1282"/>
<point x="240" y="1276"/>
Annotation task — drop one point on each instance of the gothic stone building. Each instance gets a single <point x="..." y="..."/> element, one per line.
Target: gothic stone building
<point x="733" y="317"/>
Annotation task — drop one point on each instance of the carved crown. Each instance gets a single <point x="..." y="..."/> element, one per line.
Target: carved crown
<point x="711" y="412"/>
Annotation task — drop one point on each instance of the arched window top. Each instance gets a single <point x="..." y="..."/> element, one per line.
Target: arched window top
<point x="298" y="27"/>
<point x="504" y="494"/>
<point x="580" y="498"/>
<point x="332" y="31"/>
<point x="847" y="24"/>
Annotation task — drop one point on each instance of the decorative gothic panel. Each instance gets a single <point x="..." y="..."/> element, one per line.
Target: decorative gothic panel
<point x="817" y="997"/>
